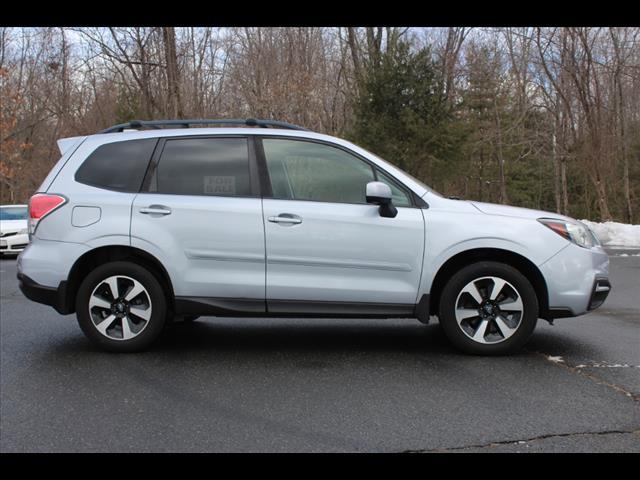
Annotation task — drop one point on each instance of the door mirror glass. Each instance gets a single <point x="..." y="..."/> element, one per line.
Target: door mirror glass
<point x="379" y="193"/>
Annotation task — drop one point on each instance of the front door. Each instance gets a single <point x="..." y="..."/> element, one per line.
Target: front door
<point x="328" y="251"/>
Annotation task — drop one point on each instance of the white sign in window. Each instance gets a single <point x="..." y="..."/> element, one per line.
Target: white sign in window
<point x="219" y="185"/>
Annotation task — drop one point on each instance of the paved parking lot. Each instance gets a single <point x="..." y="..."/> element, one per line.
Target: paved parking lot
<point x="321" y="385"/>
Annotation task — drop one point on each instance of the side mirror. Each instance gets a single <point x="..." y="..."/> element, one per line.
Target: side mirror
<point x="379" y="193"/>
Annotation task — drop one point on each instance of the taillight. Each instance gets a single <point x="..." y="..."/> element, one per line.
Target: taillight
<point x="41" y="205"/>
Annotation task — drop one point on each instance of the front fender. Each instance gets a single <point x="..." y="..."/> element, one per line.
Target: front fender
<point x="449" y="233"/>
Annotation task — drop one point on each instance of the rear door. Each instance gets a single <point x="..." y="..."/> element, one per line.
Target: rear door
<point x="328" y="251"/>
<point x="200" y="214"/>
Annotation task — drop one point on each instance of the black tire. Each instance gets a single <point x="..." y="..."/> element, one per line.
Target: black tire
<point x="156" y="295"/>
<point x="454" y="287"/>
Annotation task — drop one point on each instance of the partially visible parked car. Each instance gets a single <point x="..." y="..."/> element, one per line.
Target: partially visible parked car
<point x="14" y="229"/>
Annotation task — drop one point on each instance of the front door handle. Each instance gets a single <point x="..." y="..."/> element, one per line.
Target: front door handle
<point x="156" y="210"/>
<point x="286" y="218"/>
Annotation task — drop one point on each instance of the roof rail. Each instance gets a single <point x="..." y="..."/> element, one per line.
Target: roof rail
<point x="157" y="124"/>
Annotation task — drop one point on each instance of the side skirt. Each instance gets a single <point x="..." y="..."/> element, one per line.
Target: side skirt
<point x="244" y="307"/>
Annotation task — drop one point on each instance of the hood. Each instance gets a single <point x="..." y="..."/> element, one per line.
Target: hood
<point x="12" y="225"/>
<point x="508" y="211"/>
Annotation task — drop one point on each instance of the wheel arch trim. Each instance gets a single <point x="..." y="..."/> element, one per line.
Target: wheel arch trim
<point x="509" y="257"/>
<point x="112" y="253"/>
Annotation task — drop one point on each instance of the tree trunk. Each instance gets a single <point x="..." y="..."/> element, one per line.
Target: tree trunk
<point x="355" y="52"/>
<point x="565" y="192"/>
<point x="173" y="83"/>
<point x="557" y="180"/>
<point x="500" y="157"/>
<point x="65" y="103"/>
<point x="601" y="195"/>
<point x="625" y="154"/>
<point x="627" y="190"/>
<point x="480" y="175"/>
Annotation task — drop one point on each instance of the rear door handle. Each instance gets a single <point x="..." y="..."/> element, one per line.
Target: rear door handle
<point x="156" y="210"/>
<point x="286" y="218"/>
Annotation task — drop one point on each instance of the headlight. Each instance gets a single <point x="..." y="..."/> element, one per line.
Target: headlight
<point x="24" y="230"/>
<point x="575" y="232"/>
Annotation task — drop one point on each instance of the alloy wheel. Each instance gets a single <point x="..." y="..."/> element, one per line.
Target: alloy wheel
<point x="489" y="310"/>
<point x="120" y="307"/>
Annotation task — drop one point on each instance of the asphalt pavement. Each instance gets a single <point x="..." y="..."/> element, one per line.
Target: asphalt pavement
<point x="307" y="385"/>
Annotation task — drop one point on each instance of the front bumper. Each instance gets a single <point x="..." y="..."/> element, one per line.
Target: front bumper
<point x="14" y="243"/>
<point x="577" y="280"/>
<point x="600" y="292"/>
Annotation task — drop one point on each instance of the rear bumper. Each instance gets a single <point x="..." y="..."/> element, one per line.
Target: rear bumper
<point x="48" y="262"/>
<point x="52" y="296"/>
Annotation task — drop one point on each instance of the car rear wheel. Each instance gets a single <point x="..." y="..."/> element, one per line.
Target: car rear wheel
<point x="121" y="307"/>
<point x="488" y="308"/>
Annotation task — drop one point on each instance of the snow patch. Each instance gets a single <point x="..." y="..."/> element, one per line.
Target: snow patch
<point x="606" y="365"/>
<point x="616" y="234"/>
<point x="553" y="359"/>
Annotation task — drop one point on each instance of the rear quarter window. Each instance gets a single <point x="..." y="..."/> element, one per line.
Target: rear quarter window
<point x="117" y="166"/>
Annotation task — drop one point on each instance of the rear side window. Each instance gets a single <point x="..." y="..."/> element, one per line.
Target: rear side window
<point x="117" y="166"/>
<point x="204" y="166"/>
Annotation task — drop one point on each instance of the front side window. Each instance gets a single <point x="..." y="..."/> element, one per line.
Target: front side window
<point x="303" y="170"/>
<point x="117" y="166"/>
<point x="399" y="196"/>
<point x="204" y="166"/>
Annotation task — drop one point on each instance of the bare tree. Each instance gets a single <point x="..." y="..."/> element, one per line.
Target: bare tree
<point x="549" y="117"/>
<point x="171" y="63"/>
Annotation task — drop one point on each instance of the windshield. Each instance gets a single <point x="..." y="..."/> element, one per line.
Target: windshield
<point x="419" y="182"/>
<point x="13" y="213"/>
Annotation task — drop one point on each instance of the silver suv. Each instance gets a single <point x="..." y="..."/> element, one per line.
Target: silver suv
<point x="142" y="223"/>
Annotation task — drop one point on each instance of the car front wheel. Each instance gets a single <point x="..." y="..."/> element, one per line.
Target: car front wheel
<point x="121" y="307"/>
<point x="488" y="308"/>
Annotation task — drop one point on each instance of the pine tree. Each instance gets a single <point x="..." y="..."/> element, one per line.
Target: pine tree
<point x="401" y="113"/>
